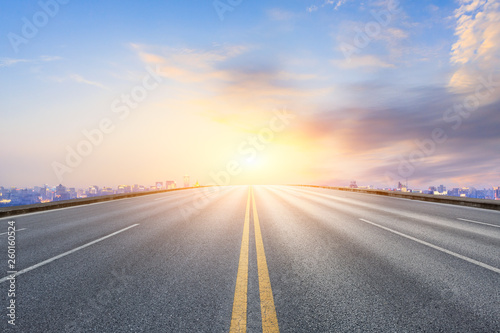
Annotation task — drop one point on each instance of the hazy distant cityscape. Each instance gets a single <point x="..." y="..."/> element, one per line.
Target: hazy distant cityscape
<point x="40" y="194"/>
<point x="14" y="196"/>
<point x="492" y="193"/>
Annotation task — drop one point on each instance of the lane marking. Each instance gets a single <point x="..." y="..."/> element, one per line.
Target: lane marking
<point x="4" y="233"/>
<point x="58" y="209"/>
<point x="375" y="206"/>
<point x="268" y="310"/>
<point x="472" y="221"/>
<point x="202" y="195"/>
<point x="239" y="316"/>
<point x="164" y="198"/>
<point x="77" y="206"/>
<point x="470" y="260"/>
<point x="418" y="201"/>
<point x="48" y="261"/>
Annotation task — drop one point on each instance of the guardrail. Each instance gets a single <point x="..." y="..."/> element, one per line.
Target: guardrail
<point x="25" y="209"/>
<point x="460" y="201"/>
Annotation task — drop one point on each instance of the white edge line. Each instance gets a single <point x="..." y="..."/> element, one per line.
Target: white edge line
<point x="62" y="208"/>
<point x="3" y="233"/>
<point x="77" y="206"/>
<point x="90" y="204"/>
<point x="45" y="262"/>
<point x="162" y="198"/>
<point x="472" y="261"/>
<point x="414" y="200"/>
<point x="200" y="196"/>
<point x="472" y="221"/>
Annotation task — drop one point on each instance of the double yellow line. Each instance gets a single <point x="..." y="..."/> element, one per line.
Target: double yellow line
<point x="268" y="311"/>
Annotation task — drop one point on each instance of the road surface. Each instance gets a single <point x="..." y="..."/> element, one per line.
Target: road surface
<point x="270" y="258"/>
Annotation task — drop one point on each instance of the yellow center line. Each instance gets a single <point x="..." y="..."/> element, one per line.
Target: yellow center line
<point x="268" y="311"/>
<point x="239" y="317"/>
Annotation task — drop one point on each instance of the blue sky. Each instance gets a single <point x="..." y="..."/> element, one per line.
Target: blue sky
<point x="367" y="82"/>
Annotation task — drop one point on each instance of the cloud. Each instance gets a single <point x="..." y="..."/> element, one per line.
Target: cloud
<point x="47" y="58"/>
<point x="190" y="65"/>
<point x="80" y="79"/>
<point x="277" y="14"/>
<point x="230" y="85"/>
<point x="337" y="4"/>
<point x="312" y="8"/>
<point x="432" y="8"/>
<point x="7" y="62"/>
<point x="225" y="68"/>
<point x="477" y="49"/>
<point x="395" y="33"/>
<point x="368" y="61"/>
<point x="364" y="143"/>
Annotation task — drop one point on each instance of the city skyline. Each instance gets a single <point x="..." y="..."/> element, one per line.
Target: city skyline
<point x="236" y="165"/>
<point x="14" y="196"/>
<point x="310" y="92"/>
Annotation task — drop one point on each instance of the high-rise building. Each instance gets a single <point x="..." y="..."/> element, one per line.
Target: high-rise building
<point x="81" y="193"/>
<point x="93" y="191"/>
<point x="123" y="189"/>
<point x="72" y="193"/>
<point x="61" y="193"/>
<point x="497" y="192"/>
<point x="186" y="181"/>
<point x="169" y="184"/>
<point x="107" y="191"/>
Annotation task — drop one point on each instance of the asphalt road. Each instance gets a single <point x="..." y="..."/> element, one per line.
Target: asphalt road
<point x="276" y="258"/>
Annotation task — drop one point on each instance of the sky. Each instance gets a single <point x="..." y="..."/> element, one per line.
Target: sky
<point x="250" y="92"/>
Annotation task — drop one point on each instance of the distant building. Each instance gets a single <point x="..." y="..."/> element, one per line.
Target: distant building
<point x="159" y="185"/>
<point x="186" y="181"/>
<point x="107" y="191"/>
<point x="81" y="193"/>
<point x="60" y="189"/>
<point x="353" y="184"/>
<point x="93" y="191"/>
<point x="170" y="184"/>
<point x="61" y="193"/>
<point x="442" y="189"/>
<point x="123" y="189"/>
<point x="72" y="193"/>
<point x="497" y="192"/>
